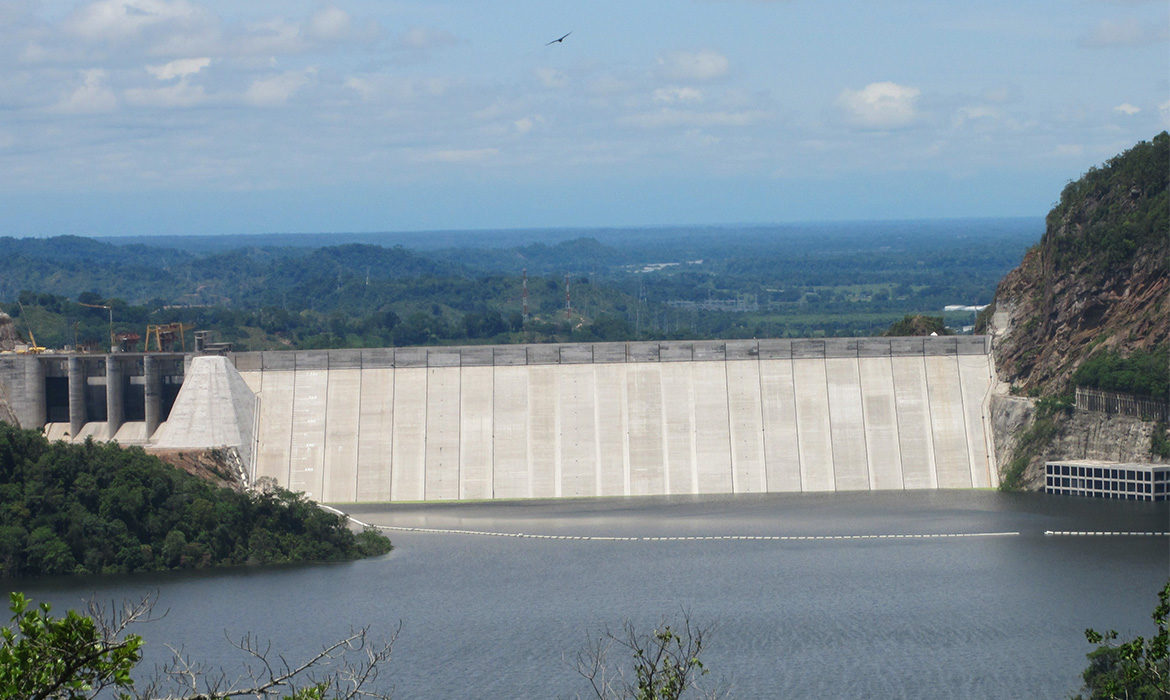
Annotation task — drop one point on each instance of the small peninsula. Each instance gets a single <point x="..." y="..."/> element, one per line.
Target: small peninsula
<point x="100" y="508"/>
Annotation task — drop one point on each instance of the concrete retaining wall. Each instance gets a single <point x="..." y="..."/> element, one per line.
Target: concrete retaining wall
<point x="606" y="419"/>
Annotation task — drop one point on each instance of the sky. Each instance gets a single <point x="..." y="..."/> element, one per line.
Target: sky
<point x="145" y="117"/>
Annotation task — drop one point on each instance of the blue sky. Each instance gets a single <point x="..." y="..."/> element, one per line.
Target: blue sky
<point x="189" y="116"/>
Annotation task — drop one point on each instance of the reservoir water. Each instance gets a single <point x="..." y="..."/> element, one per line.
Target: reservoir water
<point x="885" y="595"/>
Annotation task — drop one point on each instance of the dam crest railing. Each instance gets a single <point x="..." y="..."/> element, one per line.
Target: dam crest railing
<point x="591" y="353"/>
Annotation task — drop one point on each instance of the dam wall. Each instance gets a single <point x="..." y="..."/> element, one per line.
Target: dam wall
<point x="614" y="419"/>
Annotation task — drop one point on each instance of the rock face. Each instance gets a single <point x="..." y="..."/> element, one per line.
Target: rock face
<point x="6" y="413"/>
<point x="8" y="342"/>
<point x="8" y="337"/>
<point x="1096" y="281"/>
<point x="1076" y="435"/>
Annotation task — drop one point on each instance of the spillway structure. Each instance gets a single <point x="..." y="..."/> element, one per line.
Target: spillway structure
<point x="549" y="421"/>
<point x="122" y="396"/>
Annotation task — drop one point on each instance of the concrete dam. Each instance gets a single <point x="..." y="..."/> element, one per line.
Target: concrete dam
<point x="572" y="420"/>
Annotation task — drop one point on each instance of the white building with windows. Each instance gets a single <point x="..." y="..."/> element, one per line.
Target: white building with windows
<point x="1132" y="482"/>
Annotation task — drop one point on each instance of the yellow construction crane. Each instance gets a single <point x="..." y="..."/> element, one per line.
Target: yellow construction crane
<point x="165" y="334"/>
<point x="33" y="347"/>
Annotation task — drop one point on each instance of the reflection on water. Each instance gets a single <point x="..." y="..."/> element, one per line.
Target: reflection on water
<point x="880" y="617"/>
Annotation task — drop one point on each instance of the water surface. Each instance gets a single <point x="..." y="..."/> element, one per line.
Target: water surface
<point x="992" y="615"/>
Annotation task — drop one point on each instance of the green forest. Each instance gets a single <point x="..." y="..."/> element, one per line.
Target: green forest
<point x="1114" y="228"/>
<point x="785" y="281"/>
<point x="1142" y="373"/>
<point x="100" y="508"/>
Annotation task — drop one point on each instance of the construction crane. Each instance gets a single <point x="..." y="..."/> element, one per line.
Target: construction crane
<point x="33" y="347"/>
<point x="107" y="308"/>
<point x="166" y="334"/>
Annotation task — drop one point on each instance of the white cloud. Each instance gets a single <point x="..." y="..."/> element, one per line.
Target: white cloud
<point x="978" y="112"/>
<point x="276" y="90"/>
<point x="1164" y="110"/>
<point x="551" y="77"/>
<point x="330" y="24"/>
<point x="524" y="124"/>
<point x="884" y="105"/>
<point x="678" y="94"/>
<point x="179" y="68"/>
<point x="271" y="38"/>
<point x="1126" y="32"/>
<point x="1127" y="109"/>
<point x="91" y="96"/>
<point x="35" y="53"/>
<point x="608" y="86"/>
<point x="669" y="117"/>
<point x="698" y="65"/>
<point x="114" y="20"/>
<point x="398" y="88"/>
<point x="362" y="86"/>
<point x="180" y="94"/>
<point x="1068" y="150"/>
<point x="999" y="94"/>
<point x="459" y="156"/>
<point x="423" y="38"/>
<point x="979" y="117"/>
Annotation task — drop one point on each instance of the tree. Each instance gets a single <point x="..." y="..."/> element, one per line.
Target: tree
<point x="666" y="662"/>
<point x="70" y="657"/>
<point x="1134" y="670"/>
<point x="78" y="657"/>
<point x="917" y="324"/>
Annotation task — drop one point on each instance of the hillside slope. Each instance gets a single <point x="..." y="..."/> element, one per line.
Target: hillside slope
<point x="1096" y="285"/>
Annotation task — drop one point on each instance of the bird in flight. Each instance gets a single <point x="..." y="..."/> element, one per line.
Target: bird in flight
<point x="557" y="41"/>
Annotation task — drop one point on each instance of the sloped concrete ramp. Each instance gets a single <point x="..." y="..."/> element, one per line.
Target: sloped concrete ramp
<point x="214" y="408"/>
<point x="607" y="419"/>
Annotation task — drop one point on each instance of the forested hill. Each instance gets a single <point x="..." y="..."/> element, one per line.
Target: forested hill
<point x="1096" y="289"/>
<point x="99" y="508"/>
<point x="70" y="266"/>
<point x="794" y="280"/>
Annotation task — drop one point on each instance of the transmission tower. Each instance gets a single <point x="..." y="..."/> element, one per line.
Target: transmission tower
<point x="525" y="295"/>
<point x="568" y="299"/>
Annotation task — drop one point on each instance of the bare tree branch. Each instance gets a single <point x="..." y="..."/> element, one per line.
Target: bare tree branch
<point x="663" y="664"/>
<point x="345" y="669"/>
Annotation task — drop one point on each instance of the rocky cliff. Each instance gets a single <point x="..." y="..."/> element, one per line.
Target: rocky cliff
<point x="6" y="413"/>
<point x="1097" y="282"/>
<point x="8" y="338"/>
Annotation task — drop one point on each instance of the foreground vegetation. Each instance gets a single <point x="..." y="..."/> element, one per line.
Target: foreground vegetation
<point x="93" y="655"/>
<point x="86" y="655"/>
<point x="1138" y="669"/>
<point x="99" y="508"/>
